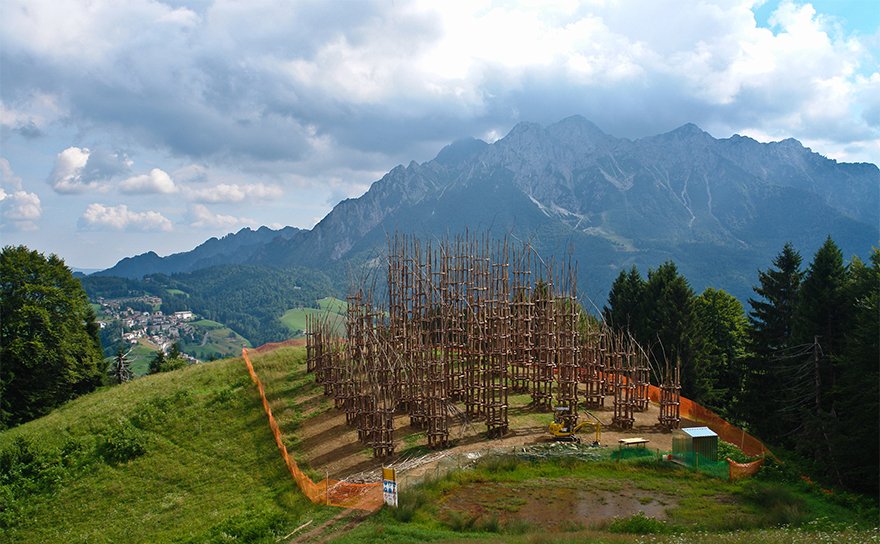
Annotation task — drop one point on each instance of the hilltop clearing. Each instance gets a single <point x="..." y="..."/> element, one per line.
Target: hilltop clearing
<point x="187" y="456"/>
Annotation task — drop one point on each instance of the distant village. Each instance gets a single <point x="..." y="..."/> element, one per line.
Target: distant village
<point x="154" y="326"/>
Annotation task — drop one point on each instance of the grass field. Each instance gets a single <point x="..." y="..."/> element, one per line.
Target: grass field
<point x="184" y="456"/>
<point x="214" y="340"/>
<point x="177" y="292"/>
<point x="331" y="309"/>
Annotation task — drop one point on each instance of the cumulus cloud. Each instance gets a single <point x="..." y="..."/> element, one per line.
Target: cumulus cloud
<point x="79" y="169"/>
<point x="157" y="181"/>
<point x="98" y="216"/>
<point x="19" y="209"/>
<point x="233" y="192"/>
<point x="66" y="176"/>
<point x="202" y="217"/>
<point x="394" y="81"/>
<point x="7" y="176"/>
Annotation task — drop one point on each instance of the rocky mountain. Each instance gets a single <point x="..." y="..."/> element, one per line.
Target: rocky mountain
<point x="720" y="208"/>
<point x="234" y="248"/>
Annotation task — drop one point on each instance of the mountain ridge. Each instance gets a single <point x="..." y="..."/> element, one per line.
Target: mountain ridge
<point x="682" y="195"/>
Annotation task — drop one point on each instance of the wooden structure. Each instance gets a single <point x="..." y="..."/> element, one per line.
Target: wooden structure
<point x="469" y="320"/>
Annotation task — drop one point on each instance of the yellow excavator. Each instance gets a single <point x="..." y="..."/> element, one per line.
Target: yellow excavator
<point x="560" y="431"/>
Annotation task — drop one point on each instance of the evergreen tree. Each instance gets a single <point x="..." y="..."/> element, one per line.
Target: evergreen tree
<point x="770" y="337"/>
<point x="157" y="362"/>
<point x="821" y="320"/>
<point x="720" y="336"/>
<point x="668" y="318"/>
<point x="624" y="308"/>
<point x="857" y="440"/>
<point x="49" y="346"/>
<point x="120" y="368"/>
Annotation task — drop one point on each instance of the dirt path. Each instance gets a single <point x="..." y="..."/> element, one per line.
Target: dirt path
<point x="332" y="528"/>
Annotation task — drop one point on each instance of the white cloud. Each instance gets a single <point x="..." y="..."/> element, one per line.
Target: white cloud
<point x="233" y="192"/>
<point x="19" y="209"/>
<point x="202" y="217"/>
<point x="157" y="181"/>
<point x="119" y="217"/>
<point x="67" y="174"/>
<point x="8" y="177"/>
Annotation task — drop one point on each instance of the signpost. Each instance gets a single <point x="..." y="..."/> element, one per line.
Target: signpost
<point x="389" y="486"/>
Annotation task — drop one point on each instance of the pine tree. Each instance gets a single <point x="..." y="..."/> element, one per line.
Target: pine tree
<point x="667" y="321"/>
<point x="821" y="318"/>
<point x="857" y="440"/>
<point x="719" y="350"/>
<point x="624" y="308"/>
<point x="120" y="369"/>
<point x="157" y="362"/>
<point x="770" y="337"/>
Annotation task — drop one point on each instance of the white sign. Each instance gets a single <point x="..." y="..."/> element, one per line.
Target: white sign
<point x="389" y="486"/>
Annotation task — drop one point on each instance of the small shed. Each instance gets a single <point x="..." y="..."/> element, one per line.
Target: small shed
<point x="695" y="440"/>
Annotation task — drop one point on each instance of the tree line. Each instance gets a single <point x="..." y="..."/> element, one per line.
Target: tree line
<point x="799" y="369"/>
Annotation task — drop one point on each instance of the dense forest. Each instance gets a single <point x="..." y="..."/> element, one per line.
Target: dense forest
<point x="799" y="370"/>
<point x="248" y="299"/>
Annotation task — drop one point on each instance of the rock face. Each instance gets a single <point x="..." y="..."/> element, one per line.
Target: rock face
<point x="720" y="208"/>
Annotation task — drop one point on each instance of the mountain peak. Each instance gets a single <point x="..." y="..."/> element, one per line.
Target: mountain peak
<point x="578" y="131"/>
<point x="688" y="130"/>
<point x="460" y="151"/>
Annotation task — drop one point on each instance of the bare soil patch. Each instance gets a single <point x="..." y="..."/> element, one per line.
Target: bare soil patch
<point x="556" y="503"/>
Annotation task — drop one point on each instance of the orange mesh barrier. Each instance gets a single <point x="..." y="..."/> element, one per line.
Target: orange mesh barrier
<point x="332" y="492"/>
<point x="744" y="470"/>
<point x="750" y="445"/>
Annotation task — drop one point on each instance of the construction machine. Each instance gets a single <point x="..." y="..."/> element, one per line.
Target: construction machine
<point x="559" y="430"/>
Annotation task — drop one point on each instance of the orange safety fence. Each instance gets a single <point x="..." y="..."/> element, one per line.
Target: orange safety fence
<point x="750" y="445"/>
<point x="327" y="491"/>
<point x="744" y="470"/>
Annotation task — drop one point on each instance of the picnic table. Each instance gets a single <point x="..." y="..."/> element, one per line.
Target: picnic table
<point x="638" y="442"/>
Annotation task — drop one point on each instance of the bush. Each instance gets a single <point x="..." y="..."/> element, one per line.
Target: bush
<point x="726" y="449"/>
<point x="638" y="524"/>
<point x="122" y="443"/>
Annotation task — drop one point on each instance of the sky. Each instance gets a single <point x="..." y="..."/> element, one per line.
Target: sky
<point x="133" y="126"/>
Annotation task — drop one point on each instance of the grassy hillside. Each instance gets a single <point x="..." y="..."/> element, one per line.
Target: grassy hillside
<point x="331" y="309"/>
<point x="214" y="340"/>
<point x="184" y="456"/>
<point x="187" y="456"/>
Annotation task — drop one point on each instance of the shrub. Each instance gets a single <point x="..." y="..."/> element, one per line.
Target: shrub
<point x="639" y="524"/>
<point x="123" y="442"/>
